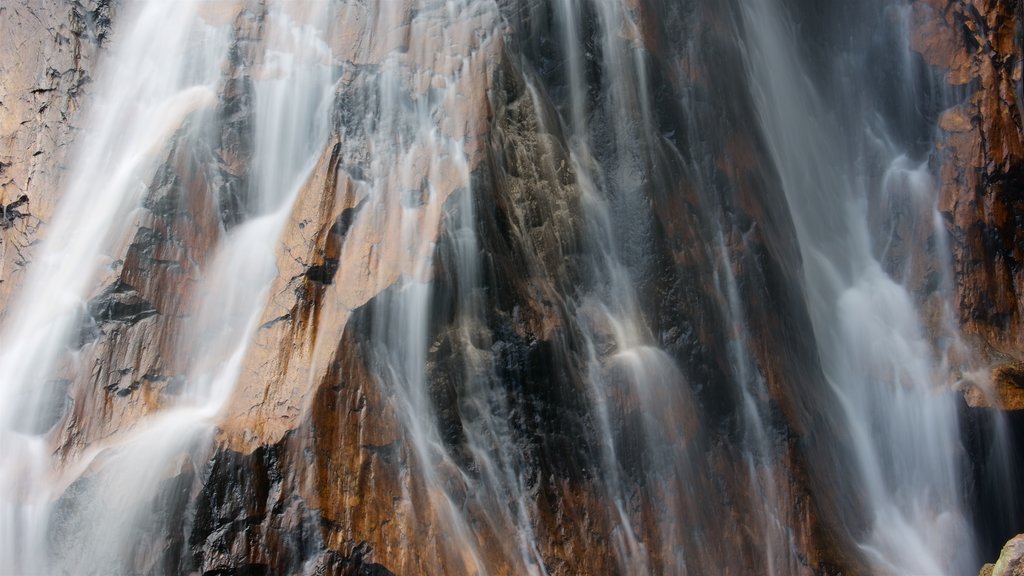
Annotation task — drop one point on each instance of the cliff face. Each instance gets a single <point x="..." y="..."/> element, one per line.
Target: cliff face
<point x="332" y="455"/>
<point x="327" y="456"/>
<point x="978" y="46"/>
<point x="46" y="83"/>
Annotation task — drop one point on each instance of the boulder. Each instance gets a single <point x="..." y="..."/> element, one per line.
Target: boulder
<point x="1010" y="562"/>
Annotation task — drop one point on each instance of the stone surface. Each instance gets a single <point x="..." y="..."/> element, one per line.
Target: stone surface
<point x="1001" y="387"/>
<point x="1010" y="562"/>
<point x="46" y="74"/>
<point x="981" y="154"/>
<point x="325" y="443"/>
<point x="312" y="466"/>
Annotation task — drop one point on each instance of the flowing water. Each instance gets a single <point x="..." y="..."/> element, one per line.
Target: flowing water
<point x="673" y="289"/>
<point x="875" y="353"/>
<point x="162" y="76"/>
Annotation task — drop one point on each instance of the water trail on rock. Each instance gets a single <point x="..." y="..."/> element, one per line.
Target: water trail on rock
<point x="870" y="333"/>
<point x="291" y="103"/>
<point x="452" y="404"/>
<point x="455" y="415"/>
<point x="147" y="96"/>
<point x="759" y="455"/>
<point x="163" y="71"/>
<point x="640" y="399"/>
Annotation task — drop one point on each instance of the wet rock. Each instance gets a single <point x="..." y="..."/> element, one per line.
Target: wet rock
<point x="329" y="399"/>
<point x="233" y="146"/>
<point x="131" y="354"/>
<point x="1002" y="387"/>
<point x="120" y="303"/>
<point x="335" y="564"/>
<point x="338" y="218"/>
<point x="313" y="464"/>
<point x="981" y="153"/>
<point x="246" y="517"/>
<point x="42" y="91"/>
<point x="1011" y="374"/>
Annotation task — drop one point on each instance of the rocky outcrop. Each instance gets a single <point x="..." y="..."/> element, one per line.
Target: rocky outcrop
<point x="981" y="153"/>
<point x="1010" y="562"/>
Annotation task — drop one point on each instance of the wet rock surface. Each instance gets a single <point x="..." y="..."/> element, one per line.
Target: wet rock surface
<point x="52" y="49"/>
<point x="312" y="468"/>
<point x="323" y="395"/>
<point x="981" y="155"/>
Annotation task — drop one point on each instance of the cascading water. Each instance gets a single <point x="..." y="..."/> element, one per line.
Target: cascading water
<point x="489" y="287"/>
<point x="875" y="353"/>
<point x="143" y="109"/>
<point x="162" y="81"/>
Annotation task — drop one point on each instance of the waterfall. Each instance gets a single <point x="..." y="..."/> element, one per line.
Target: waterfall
<point x="870" y="332"/>
<point x="151" y="93"/>
<point x="162" y="77"/>
<point x="493" y="287"/>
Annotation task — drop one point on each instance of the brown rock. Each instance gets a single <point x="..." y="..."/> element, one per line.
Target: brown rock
<point x="1009" y="385"/>
<point x="1003" y="388"/>
<point x="982" y="155"/>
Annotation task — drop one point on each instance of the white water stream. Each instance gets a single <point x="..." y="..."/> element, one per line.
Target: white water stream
<point x="891" y="384"/>
<point x="164" y="70"/>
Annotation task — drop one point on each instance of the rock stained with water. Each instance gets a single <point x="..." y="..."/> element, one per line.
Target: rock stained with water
<point x="977" y="45"/>
<point x="538" y="301"/>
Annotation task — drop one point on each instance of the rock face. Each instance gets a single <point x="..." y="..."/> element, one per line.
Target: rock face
<point x="52" y="49"/>
<point x="315" y="465"/>
<point x="977" y="44"/>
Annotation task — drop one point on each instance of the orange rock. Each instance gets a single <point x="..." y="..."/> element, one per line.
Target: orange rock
<point x="982" y="152"/>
